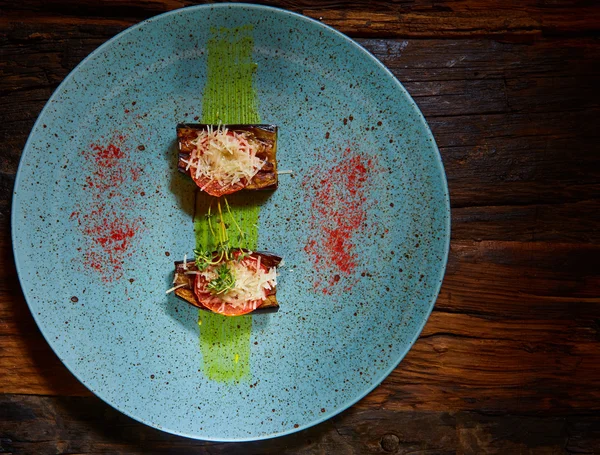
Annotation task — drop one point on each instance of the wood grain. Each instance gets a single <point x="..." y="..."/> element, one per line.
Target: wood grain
<point x="509" y="359"/>
<point x="516" y="20"/>
<point x="85" y="425"/>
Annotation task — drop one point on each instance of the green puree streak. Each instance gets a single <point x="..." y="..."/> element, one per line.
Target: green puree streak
<point x="229" y="97"/>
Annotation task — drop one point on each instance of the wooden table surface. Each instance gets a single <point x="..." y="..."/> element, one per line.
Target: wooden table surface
<point x="509" y="361"/>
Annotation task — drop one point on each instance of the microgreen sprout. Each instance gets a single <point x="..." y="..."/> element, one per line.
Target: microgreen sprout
<point x="241" y="233"/>
<point x="204" y="259"/>
<point x="223" y="282"/>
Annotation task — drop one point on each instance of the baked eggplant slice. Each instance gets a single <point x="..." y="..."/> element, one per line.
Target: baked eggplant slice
<point x="223" y="159"/>
<point x="244" y="284"/>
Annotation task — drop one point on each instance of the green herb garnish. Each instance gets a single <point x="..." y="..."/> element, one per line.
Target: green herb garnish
<point x="203" y="259"/>
<point x="223" y="253"/>
<point x="223" y="282"/>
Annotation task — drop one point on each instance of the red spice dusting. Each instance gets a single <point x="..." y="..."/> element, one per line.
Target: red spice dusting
<point x="111" y="237"/>
<point x="338" y="201"/>
<point x="107" y="172"/>
<point x="107" y="223"/>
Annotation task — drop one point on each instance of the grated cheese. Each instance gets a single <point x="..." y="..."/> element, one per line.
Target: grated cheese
<point x="250" y="283"/>
<point x="224" y="156"/>
<point x="174" y="288"/>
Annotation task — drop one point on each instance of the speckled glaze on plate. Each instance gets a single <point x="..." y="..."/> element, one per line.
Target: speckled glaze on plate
<point x="337" y="335"/>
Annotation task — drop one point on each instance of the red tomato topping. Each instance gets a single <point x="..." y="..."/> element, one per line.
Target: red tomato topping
<point x="215" y="304"/>
<point x="213" y="187"/>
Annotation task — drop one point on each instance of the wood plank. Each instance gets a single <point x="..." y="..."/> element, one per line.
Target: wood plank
<point x="85" y="425"/>
<point x="569" y="222"/>
<point x="469" y="59"/>
<point x="516" y="280"/>
<point x="490" y="23"/>
<point x="481" y="96"/>
<point x="474" y="18"/>
<point x="490" y="96"/>
<point x="517" y="170"/>
<point x="460" y="373"/>
<point x="584" y="435"/>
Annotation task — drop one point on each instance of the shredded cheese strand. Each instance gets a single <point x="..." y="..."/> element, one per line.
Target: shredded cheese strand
<point x="227" y="157"/>
<point x="250" y="282"/>
<point x="174" y="288"/>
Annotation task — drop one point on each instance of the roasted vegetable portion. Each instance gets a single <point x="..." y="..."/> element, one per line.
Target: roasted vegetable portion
<point x="241" y="283"/>
<point x="223" y="159"/>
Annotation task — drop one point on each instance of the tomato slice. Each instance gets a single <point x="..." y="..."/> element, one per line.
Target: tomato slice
<point x="215" y="304"/>
<point x="214" y="188"/>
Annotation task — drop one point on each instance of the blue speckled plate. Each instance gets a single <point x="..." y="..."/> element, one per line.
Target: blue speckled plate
<point x="368" y="203"/>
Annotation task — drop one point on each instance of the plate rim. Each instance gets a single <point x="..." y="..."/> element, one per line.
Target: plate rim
<point x="439" y="165"/>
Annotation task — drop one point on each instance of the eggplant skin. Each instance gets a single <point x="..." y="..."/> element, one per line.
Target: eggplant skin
<point x="186" y="293"/>
<point x="265" y="179"/>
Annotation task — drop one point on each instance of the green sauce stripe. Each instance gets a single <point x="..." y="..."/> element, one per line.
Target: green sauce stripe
<point x="229" y="97"/>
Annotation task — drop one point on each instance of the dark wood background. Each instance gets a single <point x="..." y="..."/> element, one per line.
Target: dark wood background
<point x="509" y="361"/>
